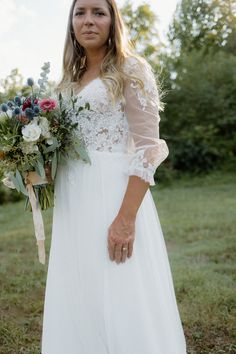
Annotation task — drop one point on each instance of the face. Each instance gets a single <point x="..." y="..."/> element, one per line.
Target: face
<point x="91" y="22"/>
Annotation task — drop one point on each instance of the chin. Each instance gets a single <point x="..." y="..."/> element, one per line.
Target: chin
<point x="92" y="45"/>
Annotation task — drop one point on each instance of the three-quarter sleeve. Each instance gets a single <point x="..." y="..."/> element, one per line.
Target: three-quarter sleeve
<point x="141" y="108"/>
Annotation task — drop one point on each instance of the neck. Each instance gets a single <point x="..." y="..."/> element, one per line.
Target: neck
<point x="95" y="58"/>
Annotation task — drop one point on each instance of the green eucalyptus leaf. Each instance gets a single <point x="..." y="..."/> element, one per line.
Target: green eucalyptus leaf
<point x="54" y="165"/>
<point x="83" y="153"/>
<point x="26" y="203"/>
<point x="58" y="156"/>
<point x="63" y="158"/>
<point x="20" y="183"/>
<point x="15" y="181"/>
<point x="40" y="169"/>
<point x="52" y="147"/>
<point x="40" y="157"/>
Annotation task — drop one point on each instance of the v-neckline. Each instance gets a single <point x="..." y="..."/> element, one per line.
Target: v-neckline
<point x="85" y="86"/>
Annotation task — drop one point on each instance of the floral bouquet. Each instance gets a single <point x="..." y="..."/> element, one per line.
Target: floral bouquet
<point x="36" y="133"/>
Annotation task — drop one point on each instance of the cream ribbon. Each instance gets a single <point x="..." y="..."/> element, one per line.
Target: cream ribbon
<point x="37" y="219"/>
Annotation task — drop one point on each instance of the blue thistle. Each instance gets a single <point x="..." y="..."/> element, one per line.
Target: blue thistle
<point x="29" y="113"/>
<point x="36" y="109"/>
<point x="30" y="81"/>
<point x="10" y="104"/>
<point x="17" y="100"/>
<point x="17" y="111"/>
<point x="4" y="107"/>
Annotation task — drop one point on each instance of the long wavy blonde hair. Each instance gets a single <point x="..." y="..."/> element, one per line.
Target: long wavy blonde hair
<point x="118" y="48"/>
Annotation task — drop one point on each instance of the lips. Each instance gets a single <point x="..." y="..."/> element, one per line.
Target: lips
<point x="89" y="32"/>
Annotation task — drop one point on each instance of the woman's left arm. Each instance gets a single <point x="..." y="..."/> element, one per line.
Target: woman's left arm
<point x="133" y="197"/>
<point x="122" y="230"/>
<point x="142" y="112"/>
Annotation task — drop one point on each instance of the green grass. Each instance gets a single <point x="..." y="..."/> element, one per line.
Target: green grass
<point x="199" y="225"/>
<point x="198" y="218"/>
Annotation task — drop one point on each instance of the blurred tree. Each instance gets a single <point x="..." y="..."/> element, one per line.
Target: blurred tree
<point x="200" y="77"/>
<point x="200" y="115"/>
<point x="203" y="24"/>
<point x="11" y="85"/>
<point x="14" y="84"/>
<point x="142" y="23"/>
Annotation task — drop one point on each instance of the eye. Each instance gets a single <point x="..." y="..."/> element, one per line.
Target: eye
<point x="99" y="13"/>
<point x="79" y="13"/>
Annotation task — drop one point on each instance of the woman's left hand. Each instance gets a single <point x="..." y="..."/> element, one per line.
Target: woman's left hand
<point x="121" y="234"/>
<point x="48" y="173"/>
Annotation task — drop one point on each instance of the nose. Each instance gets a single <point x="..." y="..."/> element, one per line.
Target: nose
<point x="88" y="19"/>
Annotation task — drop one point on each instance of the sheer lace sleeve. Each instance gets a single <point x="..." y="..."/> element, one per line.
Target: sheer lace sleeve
<point x="142" y="112"/>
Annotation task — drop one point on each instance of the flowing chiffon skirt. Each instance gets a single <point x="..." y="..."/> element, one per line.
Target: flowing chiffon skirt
<point x="92" y="304"/>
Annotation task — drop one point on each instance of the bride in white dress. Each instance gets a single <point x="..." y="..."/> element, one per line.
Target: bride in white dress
<point x="109" y="285"/>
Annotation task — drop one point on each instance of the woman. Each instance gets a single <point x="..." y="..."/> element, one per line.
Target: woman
<point x="109" y="285"/>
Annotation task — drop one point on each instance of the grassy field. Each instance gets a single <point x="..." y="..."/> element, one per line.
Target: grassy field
<point x="199" y="224"/>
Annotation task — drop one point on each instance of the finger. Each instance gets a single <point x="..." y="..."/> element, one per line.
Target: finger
<point x="124" y="253"/>
<point x="118" y="252"/>
<point x="111" y="249"/>
<point x="130" y="249"/>
<point x="110" y="255"/>
<point x="112" y="252"/>
<point x="112" y="245"/>
<point x="48" y="173"/>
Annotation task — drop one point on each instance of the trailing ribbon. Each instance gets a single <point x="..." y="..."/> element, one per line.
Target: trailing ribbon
<point x="38" y="221"/>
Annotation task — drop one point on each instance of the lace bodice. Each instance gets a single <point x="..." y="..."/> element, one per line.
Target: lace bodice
<point x="131" y="127"/>
<point x="103" y="126"/>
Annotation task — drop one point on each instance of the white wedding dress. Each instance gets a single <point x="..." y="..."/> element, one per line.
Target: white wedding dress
<point x="92" y="304"/>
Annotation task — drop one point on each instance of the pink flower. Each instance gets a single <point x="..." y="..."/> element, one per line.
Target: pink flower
<point x="48" y="104"/>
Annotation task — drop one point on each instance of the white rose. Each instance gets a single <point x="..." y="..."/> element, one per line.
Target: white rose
<point x="43" y="123"/>
<point x="35" y="120"/>
<point x="31" y="132"/>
